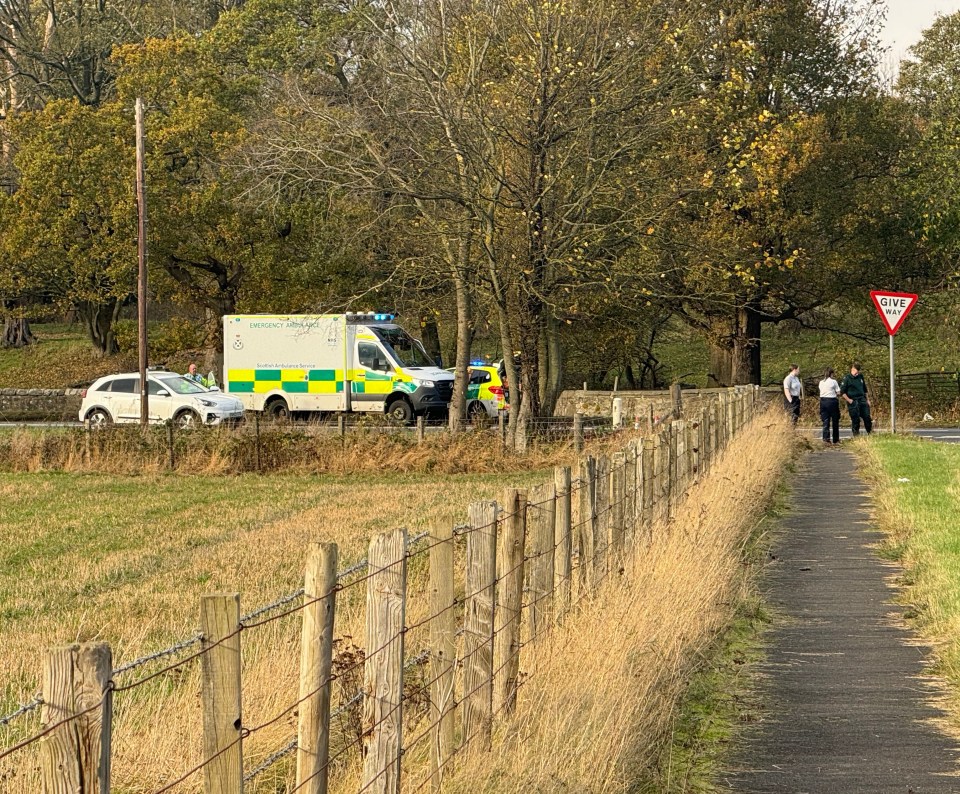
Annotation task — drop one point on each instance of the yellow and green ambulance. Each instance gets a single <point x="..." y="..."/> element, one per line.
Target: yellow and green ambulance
<point x="287" y="364"/>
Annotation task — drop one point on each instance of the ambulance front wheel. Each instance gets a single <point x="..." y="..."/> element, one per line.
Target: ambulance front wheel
<point x="400" y="410"/>
<point x="278" y="410"/>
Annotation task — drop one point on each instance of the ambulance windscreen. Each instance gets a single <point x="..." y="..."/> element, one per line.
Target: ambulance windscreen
<point x="404" y="348"/>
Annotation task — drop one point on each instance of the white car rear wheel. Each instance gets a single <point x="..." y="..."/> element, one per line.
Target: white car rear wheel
<point x="98" y="418"/>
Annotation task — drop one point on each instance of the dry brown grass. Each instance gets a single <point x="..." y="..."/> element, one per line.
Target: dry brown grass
<point x="590" y="719"/>
<point x="597" y="714"/>
<point x="306" y="448"/>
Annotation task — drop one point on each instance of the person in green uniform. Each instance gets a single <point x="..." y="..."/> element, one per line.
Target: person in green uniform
<point x="853" y="389"/>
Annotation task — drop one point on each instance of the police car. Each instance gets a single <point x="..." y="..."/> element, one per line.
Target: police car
<point x="170" y="397"/>
<point x="487" y="394"/>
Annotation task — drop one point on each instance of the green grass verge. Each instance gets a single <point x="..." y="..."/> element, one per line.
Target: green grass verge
<point x="918" y="498"/>
<point x="721" y="701"/>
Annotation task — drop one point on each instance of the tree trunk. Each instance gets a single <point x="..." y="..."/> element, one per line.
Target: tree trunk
<point x="98" y="317"/>
<point x="430" y="337"/>
<point x="16" y="332"/>
<point x="735" y="355"/>
<point x="458" y="402"/>
<point x="529" y="338"/>
<point x="551" y="365"/>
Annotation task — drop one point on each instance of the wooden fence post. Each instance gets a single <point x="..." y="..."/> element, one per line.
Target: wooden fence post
<point x="510" y="566"/>
<point x="256" y="440"/>
<point x="637" y="484"/>
<point x="316" y="662"/>
<point x="542" y="515"/>
<point x="602" y="511"/>
<point x="716" y="443"/>
<point x="646" y="501"/>
<point x="478" y="621"/>
<point x="629" y="471"/>
<point x="676" y="399"/>
<point x="671" y="467"/>
<point x="698" y="446"/>
<point x="615" y="527"/>
<point x="172" y="459"/>
<point x="663" y="473"/>
<point x="587" y="522"/>
<point x="443" y="646"/>
<point x="421" y="429"/>
<point x="383" y="666"/>
<point x="578" y="433"/>
<point x="220" y="667"/>
<point x="75" y="756"/>
<point x="562" y="539"/>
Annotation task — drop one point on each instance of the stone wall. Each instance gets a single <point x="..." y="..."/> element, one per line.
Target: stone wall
<point x="636" y="404"/>
<point x="51" y="405"/>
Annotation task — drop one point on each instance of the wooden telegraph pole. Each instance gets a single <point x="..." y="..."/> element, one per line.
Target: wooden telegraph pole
<point x="141" y="266"/>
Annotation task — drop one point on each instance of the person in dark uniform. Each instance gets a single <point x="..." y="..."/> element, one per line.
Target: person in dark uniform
<point x="853" y="389"/>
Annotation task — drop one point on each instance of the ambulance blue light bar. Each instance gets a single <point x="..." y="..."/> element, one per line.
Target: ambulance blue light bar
<point x="370" y="317"/>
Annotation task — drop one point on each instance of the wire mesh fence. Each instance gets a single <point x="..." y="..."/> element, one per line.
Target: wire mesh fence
<point x="441" y="660"/>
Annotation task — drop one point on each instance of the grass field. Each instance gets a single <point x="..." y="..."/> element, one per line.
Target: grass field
<point x="126" y="559"/>
<point x="918" y="499"/>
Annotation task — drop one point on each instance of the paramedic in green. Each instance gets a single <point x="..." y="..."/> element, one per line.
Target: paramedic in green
<point x="853" y="389"/>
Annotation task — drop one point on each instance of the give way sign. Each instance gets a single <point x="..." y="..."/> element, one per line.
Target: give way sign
<point x="893" y="307"/>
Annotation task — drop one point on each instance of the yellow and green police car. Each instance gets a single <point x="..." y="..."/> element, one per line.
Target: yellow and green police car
<point x="487" y="394"/>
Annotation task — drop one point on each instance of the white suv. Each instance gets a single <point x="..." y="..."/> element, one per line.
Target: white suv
<point x="170" y="397"/>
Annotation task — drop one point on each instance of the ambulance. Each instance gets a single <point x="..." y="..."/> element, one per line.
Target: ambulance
<point x="288" y="364"/>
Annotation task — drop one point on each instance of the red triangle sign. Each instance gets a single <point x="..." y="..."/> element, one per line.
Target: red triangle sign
<point x="893" y="307"/>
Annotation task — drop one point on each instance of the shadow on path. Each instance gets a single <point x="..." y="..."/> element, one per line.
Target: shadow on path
<point x="846" y="708"/>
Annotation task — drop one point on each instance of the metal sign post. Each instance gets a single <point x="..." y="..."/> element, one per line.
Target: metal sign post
<point x="893" y="308"/>
<point x="893" y="392"/>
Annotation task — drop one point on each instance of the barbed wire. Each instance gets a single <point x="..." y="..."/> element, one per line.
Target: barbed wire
<point x="151" y="657"/>
<point x="25" y="708"/>
<point x="270" y="760"/>
<point x="416" y="661"/>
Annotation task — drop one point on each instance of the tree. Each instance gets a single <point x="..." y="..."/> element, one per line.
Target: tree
<point x="517" y="138"/>
<point x="929" y="83"/>
<point x="785" y="162"/>
<point x="69" y="231"/>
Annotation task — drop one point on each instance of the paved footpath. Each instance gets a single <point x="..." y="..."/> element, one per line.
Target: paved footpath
<point x="845" y="707"/>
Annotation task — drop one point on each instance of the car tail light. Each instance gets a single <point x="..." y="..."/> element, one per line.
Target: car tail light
<point x="497" y="391"/>
<point x="83" y="394"/>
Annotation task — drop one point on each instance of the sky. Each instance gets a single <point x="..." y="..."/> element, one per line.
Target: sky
<point x="907" y="19"/>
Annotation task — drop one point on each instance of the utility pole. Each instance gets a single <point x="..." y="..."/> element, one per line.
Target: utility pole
<point x="142" y="266"/>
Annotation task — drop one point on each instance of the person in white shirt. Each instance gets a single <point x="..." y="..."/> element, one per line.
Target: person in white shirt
<point x="830" y="407"/>
<point x="792" y="389"/>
